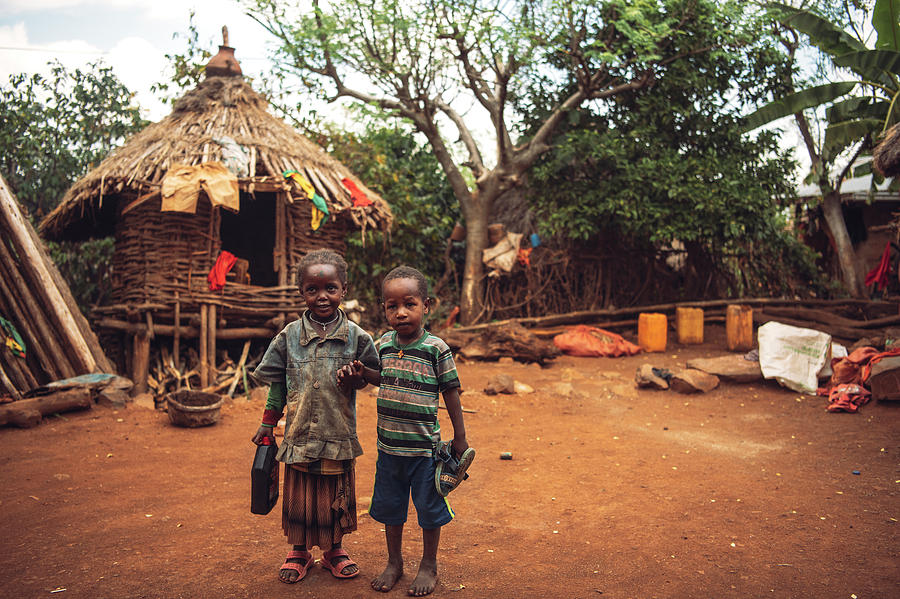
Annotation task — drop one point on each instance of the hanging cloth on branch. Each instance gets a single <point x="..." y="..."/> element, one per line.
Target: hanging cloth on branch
<point x="319" y="215"/>
<point x="879" y="275"/>
<point x="359" y="197"/>
<point x="13" y="342"/>
<point x="216" y="276"/>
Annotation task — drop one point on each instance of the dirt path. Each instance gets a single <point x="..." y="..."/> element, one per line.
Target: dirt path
<point x="747" y="491"/>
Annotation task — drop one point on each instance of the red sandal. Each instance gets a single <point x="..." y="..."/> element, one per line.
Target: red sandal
<point x="336" y="569"/>
<point x="301" y="569"/>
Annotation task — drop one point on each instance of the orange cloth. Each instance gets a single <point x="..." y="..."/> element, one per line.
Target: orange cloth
<point x="359" y="198"/>
<point x="583" y="340"/>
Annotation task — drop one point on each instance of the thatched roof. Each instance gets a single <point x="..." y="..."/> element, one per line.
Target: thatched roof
<point x="220" y="107"/>
<point x="887" y="153"/>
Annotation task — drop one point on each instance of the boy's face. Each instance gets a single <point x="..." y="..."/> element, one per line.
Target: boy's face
<point x="322" y="290"/>
<point x="404" y="308"/>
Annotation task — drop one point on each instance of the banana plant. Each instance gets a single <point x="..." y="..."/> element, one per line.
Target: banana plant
<point x="860" y="109"/>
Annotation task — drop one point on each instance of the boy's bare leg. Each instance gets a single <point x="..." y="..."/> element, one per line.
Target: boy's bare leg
<point x="426" y="578"/>
<point x="385" y="581"/>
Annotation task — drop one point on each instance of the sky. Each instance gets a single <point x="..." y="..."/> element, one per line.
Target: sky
<point x="131" y="36"/>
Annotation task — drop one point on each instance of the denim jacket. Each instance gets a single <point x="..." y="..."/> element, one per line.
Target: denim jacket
<point x="320" y="418"/>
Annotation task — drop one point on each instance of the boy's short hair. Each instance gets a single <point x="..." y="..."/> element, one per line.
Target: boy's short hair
<point x="408" y="272"/>
<point x="322" y="256"/>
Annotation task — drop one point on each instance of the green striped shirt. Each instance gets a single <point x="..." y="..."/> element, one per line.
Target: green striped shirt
<point x="412" y="378"/>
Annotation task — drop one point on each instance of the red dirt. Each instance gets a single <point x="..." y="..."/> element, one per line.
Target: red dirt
<point x="747" y="491"/>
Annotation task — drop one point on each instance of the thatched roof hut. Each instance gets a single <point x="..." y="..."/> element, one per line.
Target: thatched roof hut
<point x="887" y="153"/>
<point x="162" y="257"/>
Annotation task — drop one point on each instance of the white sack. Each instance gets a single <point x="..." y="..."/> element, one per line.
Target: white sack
<point x="793" y="356"/>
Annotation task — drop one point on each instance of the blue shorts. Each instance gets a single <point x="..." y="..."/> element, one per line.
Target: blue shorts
<point x="395" y="477"/>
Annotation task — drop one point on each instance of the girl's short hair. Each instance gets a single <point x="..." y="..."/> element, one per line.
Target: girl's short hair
<point x="408" y="272"/>
<point x="322" y="256"/>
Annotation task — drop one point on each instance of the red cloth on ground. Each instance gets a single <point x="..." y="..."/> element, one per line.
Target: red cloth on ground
<point x="583" y="340"/>
<point x="848" y="398"/>
<point x="879" y="275"/>
<point x="216" y="276"/>
<point x="867" y="368"/>
<point x="359" y="198"/>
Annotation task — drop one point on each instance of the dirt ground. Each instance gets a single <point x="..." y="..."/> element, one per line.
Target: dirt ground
<point x="748" y="491"/>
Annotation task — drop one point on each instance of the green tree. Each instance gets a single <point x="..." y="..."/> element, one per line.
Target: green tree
<point x="859" y="109"/>
<point x="448" y="67"/>
<point x="671" y="165"/>
<point x="53" y="129"/>
<point x="406" y="174"/>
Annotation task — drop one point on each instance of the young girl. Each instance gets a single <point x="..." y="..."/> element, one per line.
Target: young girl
<point x="416" y="367"/>
<point x="320" y="443"/>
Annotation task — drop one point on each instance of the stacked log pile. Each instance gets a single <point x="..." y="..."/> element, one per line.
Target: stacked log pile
<point x="59" y="343"/>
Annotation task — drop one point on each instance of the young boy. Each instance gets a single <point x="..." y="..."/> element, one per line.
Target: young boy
<point x="416" y="367"/>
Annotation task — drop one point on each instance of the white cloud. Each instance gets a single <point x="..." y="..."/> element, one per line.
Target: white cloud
<point x="28" y="58"/>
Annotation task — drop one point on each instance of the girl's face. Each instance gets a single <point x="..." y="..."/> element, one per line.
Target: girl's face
<point x="404" y="308"/>
<point x="322" y="290"/>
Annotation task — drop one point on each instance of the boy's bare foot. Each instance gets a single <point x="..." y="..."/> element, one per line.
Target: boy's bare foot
<point x="385" y="581"/>
<point x="425" y="581"/>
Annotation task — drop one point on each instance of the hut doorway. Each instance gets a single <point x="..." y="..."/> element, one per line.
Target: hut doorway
<point x="250" y="234"/>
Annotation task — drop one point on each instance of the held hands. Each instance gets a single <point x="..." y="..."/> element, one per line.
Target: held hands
<point x="263" y="431"/>
<point x="351" y="376"/>
<point x="459" y="445"/>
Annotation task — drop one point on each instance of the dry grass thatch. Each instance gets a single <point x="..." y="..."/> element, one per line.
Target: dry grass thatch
<point x="219" y="107"/>
<point x="887" y="153"/>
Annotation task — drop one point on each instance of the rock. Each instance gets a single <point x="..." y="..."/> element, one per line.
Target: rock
<point x="563" y="389"/>
<point x="505" y="360"/>
<point x="144" y="400"/>
<point x="732" y="367"/>
<point x="112" y="397"/>
<point x="646" y="378"/>
<point x="520" y="387"/>
<point x="691" y="380"/>
<point x="502" y="383"/>
<point x="119" y="383"/>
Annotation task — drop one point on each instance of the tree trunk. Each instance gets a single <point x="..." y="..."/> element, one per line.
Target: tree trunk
<point x="471" y="297"/>
<point x="834" y="216"/>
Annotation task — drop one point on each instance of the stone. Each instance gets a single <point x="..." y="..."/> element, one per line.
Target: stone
<point x="563" y="389"/>
<point x="691" y="380"/>
<point x="144" y="400"/>
<point x="732" y="367"/>
<point x="505" y="360"/>
<point x="501" y="383"/>
<point x="112" y="397"/>
<point x="520" y="387"/>
<point x="644" y="377"/>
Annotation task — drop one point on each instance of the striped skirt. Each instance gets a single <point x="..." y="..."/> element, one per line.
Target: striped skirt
<point x="318" y="510"/>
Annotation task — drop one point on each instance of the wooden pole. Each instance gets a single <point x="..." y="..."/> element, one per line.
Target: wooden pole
<point x="140" y="362"/>
<point x="28" y="412"/>
<point x="60" y="314"/>
<point x="7" y="385"/>
<point x="204" y="354"/>
<point x="211" y="342"/>
<point x="31" y="320"/>
<point x="176" y="333"/>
